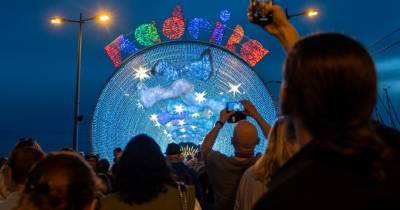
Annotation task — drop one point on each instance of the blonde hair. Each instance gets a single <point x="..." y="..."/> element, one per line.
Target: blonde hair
<point x="281" y="147"/>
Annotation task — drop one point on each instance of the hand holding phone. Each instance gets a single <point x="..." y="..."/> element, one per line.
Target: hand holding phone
<point x="237" y="108"/>
<point x="259" y="15"/>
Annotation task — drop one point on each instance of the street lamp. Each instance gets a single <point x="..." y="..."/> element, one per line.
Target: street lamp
<point x="58" y="21"/>
<point x="309" y="13"/>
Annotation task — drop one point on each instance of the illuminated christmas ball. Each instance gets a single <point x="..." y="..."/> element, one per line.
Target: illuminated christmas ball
<point x="174" y="92"/>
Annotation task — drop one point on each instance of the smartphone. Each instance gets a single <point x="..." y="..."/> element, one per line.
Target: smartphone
<point x="258" y="15"/>
<point x="238" y="108"/>
<point x="234" y="107"/>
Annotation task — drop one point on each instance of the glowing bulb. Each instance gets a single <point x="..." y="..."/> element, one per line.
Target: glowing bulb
<point x="56" y="21"/>
<point x="104" y="18"/>
<point x="312" y="12"/>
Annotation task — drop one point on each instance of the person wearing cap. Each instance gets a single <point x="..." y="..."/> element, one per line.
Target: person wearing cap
<point x="224" y="171"/>
<point x="182" y="173"/>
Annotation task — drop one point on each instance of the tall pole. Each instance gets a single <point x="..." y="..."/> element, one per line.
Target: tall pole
<point x="389" y="108"/>
<point x="78" y="86"/>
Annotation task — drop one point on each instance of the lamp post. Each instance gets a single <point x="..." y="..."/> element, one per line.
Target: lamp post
<point x="81" y="21"/>
<point x="309" y="13"/>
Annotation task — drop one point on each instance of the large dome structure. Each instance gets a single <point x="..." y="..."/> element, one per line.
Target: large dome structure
<point x="174" y="91"/>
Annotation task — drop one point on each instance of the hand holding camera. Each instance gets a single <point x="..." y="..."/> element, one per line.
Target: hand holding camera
<point x="237" y="111"/>
<point x="249" y="109"/>
<point x="240" y="110"/>
<point x="275" y="21"/>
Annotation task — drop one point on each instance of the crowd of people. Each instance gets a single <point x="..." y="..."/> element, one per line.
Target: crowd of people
<point x="324" y="152"/>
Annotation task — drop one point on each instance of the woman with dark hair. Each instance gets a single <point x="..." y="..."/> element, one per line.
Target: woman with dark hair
<point x="282" y="145"/>
<point x="144" y="180"/>
<point x="61" y="181"/>
<point x="6" y="184"/>
<point x="329" y="90"/>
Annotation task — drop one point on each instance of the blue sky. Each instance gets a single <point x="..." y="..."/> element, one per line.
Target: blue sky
<point x="38" y="60"/>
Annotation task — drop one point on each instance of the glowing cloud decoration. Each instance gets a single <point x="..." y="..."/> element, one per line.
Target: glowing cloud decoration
<point x="151" y="96"/>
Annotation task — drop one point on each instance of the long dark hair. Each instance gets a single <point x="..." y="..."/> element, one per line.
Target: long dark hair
<point x="61" y="181"/>
<point x="142" y="172"/>
<point x="330" y="85"/>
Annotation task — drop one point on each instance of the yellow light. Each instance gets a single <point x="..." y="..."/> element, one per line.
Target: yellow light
<point x="56" y="21"/>
<point x="104" y="18"/>
<point x="312" y="12"/>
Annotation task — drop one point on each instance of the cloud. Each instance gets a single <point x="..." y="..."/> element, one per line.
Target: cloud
<point x="151" y="96"/>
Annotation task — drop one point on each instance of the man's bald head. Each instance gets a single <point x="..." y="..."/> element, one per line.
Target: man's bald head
<point x="245" y="135"/>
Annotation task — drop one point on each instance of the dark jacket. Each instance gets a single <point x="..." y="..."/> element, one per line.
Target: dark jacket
<point x="318" y="178"/>
<point x="186" y="175"/>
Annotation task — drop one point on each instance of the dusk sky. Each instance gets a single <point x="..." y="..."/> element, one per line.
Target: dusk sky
<point x="38" y="60"/>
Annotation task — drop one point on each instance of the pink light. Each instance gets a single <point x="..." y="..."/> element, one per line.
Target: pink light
<point x="218" y="33"/>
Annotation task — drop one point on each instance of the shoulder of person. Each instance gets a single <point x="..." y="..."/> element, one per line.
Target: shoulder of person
<point x="215" y="155"/>
<point x="295" y="165"/>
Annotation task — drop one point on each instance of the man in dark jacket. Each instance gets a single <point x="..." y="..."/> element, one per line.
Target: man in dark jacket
<point x="181" y="172"/>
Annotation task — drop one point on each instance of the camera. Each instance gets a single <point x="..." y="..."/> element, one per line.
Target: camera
<point x="238" y="108"/>
<point x="258" y="15"/>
